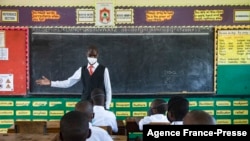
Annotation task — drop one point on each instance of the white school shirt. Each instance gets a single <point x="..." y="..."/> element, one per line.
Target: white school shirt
<point x="152" y="118"/>
<point x="104" y="117"/>
<point x="76" y="77"/>
<point x="177" y="123"/>
<point x="98" y="134"/>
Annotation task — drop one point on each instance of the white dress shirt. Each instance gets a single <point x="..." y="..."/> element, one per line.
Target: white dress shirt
<point x="76" y="77"/>
<point x="104" y="117"/>
<point x="177" y="123"/>
<point x="152" y="118"/>
<point x="98" y="134"/>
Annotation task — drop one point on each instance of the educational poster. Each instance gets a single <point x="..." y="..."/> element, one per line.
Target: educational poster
<point x="233" y="47"/>
<point x="232" y="60"/>
<point x="4" y="53"/>
<point x="6" y="82"/>
<point x="3" y="50"/>
<point x="2" y="38"/>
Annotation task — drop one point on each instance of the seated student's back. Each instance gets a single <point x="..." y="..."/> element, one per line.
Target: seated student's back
<point x="178" y="107"/>
<point x="74" y="126"/>
<point x="102" y="116"/>
<point x="96" y="133"/>
<point x="198" y="117"/>
<point x="156" y="113"/>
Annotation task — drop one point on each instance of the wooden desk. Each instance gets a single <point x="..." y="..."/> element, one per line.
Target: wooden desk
<point x="132" y="125"/>
<point x="52" y="127"/>
<point x="29" y="137"/>
<point x="119" y="137"/>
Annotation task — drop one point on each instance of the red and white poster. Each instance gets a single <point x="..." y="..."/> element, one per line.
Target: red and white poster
<point x="6" y="82"/>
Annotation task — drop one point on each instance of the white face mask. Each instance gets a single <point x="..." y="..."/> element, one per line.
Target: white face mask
<point x="92" y="60"/>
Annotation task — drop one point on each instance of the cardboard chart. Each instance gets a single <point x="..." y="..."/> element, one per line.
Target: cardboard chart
<point x="233" y="60"/>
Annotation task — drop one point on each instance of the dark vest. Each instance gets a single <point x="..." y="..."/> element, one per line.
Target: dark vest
<point x="91" y="82"/>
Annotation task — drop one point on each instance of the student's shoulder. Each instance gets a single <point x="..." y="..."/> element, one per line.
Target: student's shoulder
<point x="99" y="135"/>
<point x="95" y="128"/>
<point x="110" y="114"/>
<point x="99" y="131"/>
<point x="146" y="118"/>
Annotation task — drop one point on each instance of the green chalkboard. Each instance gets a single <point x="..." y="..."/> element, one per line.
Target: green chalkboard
<point x="143" y="64"/>
<point x="233" y="80"/>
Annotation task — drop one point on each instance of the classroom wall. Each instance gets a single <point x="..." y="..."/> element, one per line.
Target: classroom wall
<point x="227" y="109"/>
<point x="147" y="3"/>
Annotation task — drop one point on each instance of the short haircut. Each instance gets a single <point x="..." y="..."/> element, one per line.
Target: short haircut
<point x="85" y="106"/>
<point x="92" y="49"/>
<point x="160" y="105"/>
<point x="98" y="96"/>
<point x="74" y="126"/>
<point x="178" y="106"/>
<point x="199" y="117"/>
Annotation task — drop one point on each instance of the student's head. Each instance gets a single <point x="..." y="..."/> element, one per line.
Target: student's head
<point x="92" y="54"/>
<point x="178" y="107"/>
<point x="98" y="97"/>
<point x="85" y="106"/>
<point x="158" y="106"/>
<point x="74" y="126"/>
<point x="198" y="117"/>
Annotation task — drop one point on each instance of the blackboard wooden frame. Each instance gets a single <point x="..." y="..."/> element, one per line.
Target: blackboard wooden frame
<point x="100" y="36"/>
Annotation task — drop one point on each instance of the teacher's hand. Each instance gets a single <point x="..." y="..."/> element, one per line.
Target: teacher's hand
<point x="43" y="81"/>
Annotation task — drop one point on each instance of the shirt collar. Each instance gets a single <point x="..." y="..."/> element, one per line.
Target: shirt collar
<point x="95" y="65"/>
<point x="177" y="123"/>
<point x="90" y="125"/>
<point x="98" y="107"/>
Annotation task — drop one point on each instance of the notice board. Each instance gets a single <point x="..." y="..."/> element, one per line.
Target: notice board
<point x="233" y="60"/>
<point x="139" y="63"/>
<point x="14" y="61"/>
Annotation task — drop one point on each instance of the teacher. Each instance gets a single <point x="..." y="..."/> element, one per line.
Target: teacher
<point x="93" y="75"/>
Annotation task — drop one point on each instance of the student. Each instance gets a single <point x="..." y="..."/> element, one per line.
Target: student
<point x="156" y="113"/>
<point x="93" y="75"/>
<point x="178" y="107"/>
<point x="198" y="117"/>
<point x="97" y="133"/>
<point x="102" y="116"/>
<point x="74" y="126"/>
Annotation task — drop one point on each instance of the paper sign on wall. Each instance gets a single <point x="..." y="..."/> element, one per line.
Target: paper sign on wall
<point x="6" y="82"/>
<point x="4" y="55"/>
